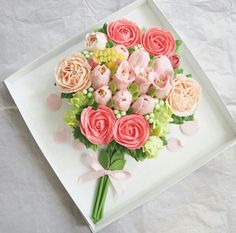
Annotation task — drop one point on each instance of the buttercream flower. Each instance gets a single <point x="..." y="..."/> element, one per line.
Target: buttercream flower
<point x="175" y="60"/>
<point x="92" y="63"/>
<point x="163" y="81"/>
<point x="96" y="41"/>
<point x="139" y="58"/>
<point x="102" y="95"/>
<point x="100" y="76"/>
<point x="131" y="131"/>
<point x="144" y="77"/>
<point x="184" y="97"/>
<point x="158" y="41"/>
<point x="98" y="125"/>
<point x="121" y="49"/>
<point x="73" y="74"/>
<point x="143" y="105"/>
<point x="122" y="100"/>
<point x="152" y="146"/>
<point x="124" y="32"/>
<point x="122" y="76"/>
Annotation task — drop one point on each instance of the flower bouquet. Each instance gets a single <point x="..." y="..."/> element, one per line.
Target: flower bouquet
<point x="125" y="89"/>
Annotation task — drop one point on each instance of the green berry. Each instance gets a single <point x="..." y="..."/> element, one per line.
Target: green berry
<point x="90" y="95"/>
<point x="147" y="117"/>
<point x="91" y="89"/>
<point x="157" y="106"/>
<point x="135" y="47"/>
<point x="139" y="46"/>
<point x="162" y="102"/>
<point x="85" y="91"/>
<point x="152" y="115"/>
<point x="123" y="113"/>
<point x="87" y="55"/>
<point x="116" y="111"/>
<point x="118" y="115"/>
<point x="156" y="101"/>
<point x="151" y="120"/>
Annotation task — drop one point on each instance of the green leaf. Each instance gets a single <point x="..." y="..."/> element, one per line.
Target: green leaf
<point x="90" y="101"/>
<point x="131" y="50"/>
<point x="117" y="156"/>
<point x="95" y="105"/>
<point x="110" y="44"/>
<point x="103" y="158"/>
<point x="134" y="90"/>
<point x="103" y="29"/>
<point x="130" y="111"/>
<point x="67" y="95"/>
<point x="117" y="165"/>
<point x="178" y="46"/>
<point x="164" y="140"/>
<point x="138" y="155"/>
<point x="113" y="87"/>
<point x="110" y="103"/>
<point x="180" y="120"/>
<point x="151" y="56"/>
<point x="178" y="71"/>
<point x="78" y="135"/>
<point x="189" y="75"/>
<point x="152" y="91"/>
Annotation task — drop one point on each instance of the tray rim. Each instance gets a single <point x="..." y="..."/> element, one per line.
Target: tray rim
<point x="195" y="65"/>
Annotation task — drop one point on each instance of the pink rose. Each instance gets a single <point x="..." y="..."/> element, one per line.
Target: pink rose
<point x="124" y="32"/>
<point x="158" y="41"/>
<point x="96" y="41"/>
<point x="98" y="125"/>
<point x="144" y="77"/>
<point x="184" y="97"/>
<point x="175" y="60"/>
<point x="131" y="131"/>
<point x="163" y="81"/>
<point x="102" y="95"/>
<point x="139" y="58"/>
<point x="100" y="76"/>
<point x="122" y="76"/>
<point x="122" y="100"/>
<point x="143" y="105"/>
<point x="122" y="50"/>
<point x="73" y="74"/>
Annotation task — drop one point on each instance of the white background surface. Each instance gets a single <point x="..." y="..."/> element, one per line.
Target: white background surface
<point x="31" y="197"/>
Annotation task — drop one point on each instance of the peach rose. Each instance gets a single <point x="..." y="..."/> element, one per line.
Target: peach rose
<point x="73" y="74"/>
<point x="131" y="131"/>
<point x="139" y="58"/>
<point x="96" y="41"/>
<point x="143" y="105"/>
<point x="100" y="76"/>
<point x="158" y="41"/>
<point x="144" y="77"/>
<point x="102" y="95"/>
<point x="184" y="97"/>
<point x="122" y="76"/>
<point x="122" y="100"/>
<point x="98" y="125"/>
<point x="124" y="32"/>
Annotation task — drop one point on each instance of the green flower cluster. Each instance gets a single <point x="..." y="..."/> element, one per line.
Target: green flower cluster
<point x="153" y="146"/>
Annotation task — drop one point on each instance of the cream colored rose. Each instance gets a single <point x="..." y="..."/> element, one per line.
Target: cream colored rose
<point x="96" y="41"/>
<point x="184" y="97"/>
<point x="73" y="74"/>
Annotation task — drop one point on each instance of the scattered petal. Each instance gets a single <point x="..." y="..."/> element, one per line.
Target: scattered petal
<point x="77" y="145"/>
<point x="189" y="128"/>
<point x="53" y="102"/>
<point x="61" y="135"/>
<point x="174" y="144"/>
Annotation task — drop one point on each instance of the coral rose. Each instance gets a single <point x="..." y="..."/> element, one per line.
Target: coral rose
<point x="124" y="32"/>
<point x="73" y="74"/>
<point x="158" y="41"/>
<point x="131" y="131"/>
<point x="97" y="125"/>
<point x="184" y="97"/>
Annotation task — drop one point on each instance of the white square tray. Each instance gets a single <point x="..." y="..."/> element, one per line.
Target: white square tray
<point x="30" y="86"/>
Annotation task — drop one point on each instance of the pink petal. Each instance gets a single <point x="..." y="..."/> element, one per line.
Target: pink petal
<point x="61" y="135"/>
<point x="78" y="145"/>
<point x="174" y="144"/>
<point x="189" y="128"/>
<point x="53" y="102"/>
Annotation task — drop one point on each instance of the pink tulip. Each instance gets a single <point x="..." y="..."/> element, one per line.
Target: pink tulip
<point x="163" y="66"/>
<point x="122" y="100"/>
<point x="123" y="50"/>
<point x="144" y="105"/>
<point x="100" y="76"/>
<point x="139" y="58"/>
<point x="144" y="77"/>
<point x="102" y="95"/>
<point x="122" y="76"/>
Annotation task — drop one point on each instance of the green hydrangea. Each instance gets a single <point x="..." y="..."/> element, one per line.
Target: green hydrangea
<point x="70" y="117"/>
<point x="162" y="118"/>
<point x="152" y="146"/>
<point x="79" y="100"/>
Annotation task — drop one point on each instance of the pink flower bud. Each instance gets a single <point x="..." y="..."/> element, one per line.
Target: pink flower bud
<point x="102" y="95"/>
<point x="100" y="76"/>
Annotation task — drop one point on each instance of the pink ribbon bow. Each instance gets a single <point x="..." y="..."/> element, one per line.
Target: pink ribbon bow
<point x="99" y="171"/>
